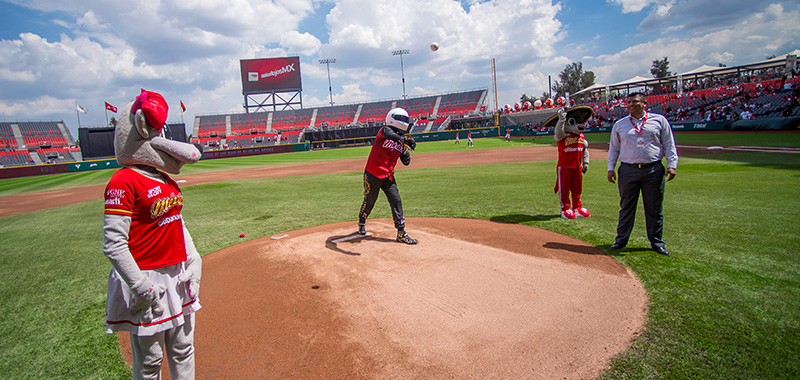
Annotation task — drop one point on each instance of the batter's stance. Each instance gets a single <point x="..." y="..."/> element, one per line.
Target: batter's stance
<point x="391" y="143"/>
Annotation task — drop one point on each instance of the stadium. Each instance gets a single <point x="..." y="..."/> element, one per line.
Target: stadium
<point x="723" y="306"/>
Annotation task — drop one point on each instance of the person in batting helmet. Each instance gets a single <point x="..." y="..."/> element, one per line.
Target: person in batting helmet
<point x="391" y="142"/>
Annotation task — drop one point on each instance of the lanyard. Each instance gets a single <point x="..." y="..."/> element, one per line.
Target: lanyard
<point x="639" y="128"/>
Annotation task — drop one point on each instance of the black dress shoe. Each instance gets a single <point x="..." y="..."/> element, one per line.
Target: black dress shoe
<point x="616" y="246"/>
<point x="661" y="251"/>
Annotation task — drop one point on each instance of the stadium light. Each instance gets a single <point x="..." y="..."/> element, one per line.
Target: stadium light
<point x="327" y="63"/>
<point x="402" y="72"/>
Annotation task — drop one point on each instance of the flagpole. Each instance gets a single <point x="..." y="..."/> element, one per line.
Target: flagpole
<point x="106" y="117"/>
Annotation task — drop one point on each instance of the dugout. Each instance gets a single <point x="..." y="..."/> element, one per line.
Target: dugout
<point x="98" y="142"/>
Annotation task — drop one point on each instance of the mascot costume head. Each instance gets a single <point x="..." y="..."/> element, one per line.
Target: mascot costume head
<point x="154" y="283"/>
<point x="139" y="139"/>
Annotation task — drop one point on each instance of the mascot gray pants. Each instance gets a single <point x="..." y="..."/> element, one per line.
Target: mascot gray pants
<point x="148" y="352"/>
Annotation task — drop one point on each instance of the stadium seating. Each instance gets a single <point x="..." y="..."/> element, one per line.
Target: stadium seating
<point x="7" y="139"/>
<point x="291" y="119"/>
<point x="765" y="99"/>
<point x="211" y="125"/>
<point x="375" y="112"/>
<point x="336" y="115"/>
<point x="36" y="133"/>
<point x="459" y="103"/>
<point x="249" y="123"/>
<point x="15" y="158"/>
<point x="418" y="107"/>
<point x="57" y="155"/>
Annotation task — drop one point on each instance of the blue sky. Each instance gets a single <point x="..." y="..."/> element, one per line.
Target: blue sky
<point x="54" y="53"/>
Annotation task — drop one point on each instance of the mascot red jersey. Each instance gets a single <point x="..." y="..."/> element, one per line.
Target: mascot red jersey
<point x="573" y="161"/>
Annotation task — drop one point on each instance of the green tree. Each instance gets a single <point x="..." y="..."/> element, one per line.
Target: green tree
<point x="572" y="79"/>
<point x="660" y="68"/>
<point x="525" y="98"/>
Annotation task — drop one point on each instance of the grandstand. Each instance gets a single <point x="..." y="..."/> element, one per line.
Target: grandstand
<point x="764" y="99"/>
<point x="759" y="91"/>
<point x="236" y="130"/>
<point x="36" y="142"/>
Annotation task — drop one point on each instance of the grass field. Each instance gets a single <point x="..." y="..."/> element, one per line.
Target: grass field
<point x="725" y="305"/>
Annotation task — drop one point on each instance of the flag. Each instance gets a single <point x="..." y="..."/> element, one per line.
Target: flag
<point x="111" y="108"/>
<point x="183" y="107"/>
<point x="81" y="108"/>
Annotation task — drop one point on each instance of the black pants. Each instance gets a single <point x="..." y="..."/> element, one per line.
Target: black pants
<point x="650" y="182"/>
<point x="372" y="185"/>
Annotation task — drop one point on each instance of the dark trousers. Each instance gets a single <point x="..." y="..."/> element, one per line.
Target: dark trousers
<point x="372" y="185"/>
<point x="650" y="182"/>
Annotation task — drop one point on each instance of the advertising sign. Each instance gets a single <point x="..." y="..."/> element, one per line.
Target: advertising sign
<point x="270" y="74"/>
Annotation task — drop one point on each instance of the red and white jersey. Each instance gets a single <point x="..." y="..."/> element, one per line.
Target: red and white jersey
<point x="383" y="156"/>
<point x="156" y="232"/>
<point x="570" y="151"/>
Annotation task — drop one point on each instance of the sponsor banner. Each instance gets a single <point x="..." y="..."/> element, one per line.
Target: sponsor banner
<point x="33" y="170"/>
<point x="271" y="74"/>
<point x="212" y="154"/>
<point x="701" y="126"/>
<point x="85" y="166"/>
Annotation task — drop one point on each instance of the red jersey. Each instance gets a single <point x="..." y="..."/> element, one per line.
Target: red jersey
<point x="570" y="151"/>
<point x="383" y="156"/>
<point x="156" y="234"/>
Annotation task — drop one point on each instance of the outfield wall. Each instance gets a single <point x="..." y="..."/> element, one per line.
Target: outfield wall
<point x="111" y="163"/>
<point x="516" y="130"/>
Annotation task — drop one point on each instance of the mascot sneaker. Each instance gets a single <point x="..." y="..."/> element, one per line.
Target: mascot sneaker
<point x="568" y="214"/>
<point x="404" y="238"/>
<point x="582" y="212"/>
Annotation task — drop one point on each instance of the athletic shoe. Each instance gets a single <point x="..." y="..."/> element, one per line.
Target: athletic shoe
<point x="362" y="230"/>
<point x="582" y="212"/>
<point x="404" y="238"/>
<point x="568" y="214"/>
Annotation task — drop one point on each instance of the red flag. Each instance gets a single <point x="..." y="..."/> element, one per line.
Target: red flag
<point x="111" y="108"/>
<point x="183" y="107"/>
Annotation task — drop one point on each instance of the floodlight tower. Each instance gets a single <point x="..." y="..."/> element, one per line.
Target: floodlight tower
<point x="327" y="63"/>
<point x="402" y="72"/>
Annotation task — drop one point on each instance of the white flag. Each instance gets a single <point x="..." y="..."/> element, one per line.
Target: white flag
<point x="81" y="108"/>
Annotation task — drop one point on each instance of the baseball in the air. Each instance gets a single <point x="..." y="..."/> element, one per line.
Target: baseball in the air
<point x="435" y="46"/>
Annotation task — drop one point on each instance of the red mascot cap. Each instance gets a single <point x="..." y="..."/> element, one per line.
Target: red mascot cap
<point x="154" y="106"/>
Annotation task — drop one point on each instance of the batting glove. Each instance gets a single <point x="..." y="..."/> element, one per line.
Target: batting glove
<point x="408" y="140"/>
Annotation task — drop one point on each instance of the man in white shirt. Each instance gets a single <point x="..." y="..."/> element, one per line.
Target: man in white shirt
<point x="639" y="141"/>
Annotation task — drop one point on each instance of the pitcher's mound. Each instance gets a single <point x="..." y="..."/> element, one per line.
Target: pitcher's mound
<point x="473" y="300"/>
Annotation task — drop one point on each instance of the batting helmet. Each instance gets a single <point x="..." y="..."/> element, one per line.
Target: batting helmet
<point x="398" y="119"/>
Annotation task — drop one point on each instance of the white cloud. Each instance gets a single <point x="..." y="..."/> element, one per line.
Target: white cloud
<point x="190" y="50"/>
<point x="751" y="40"/>
<point x="41" y="106"/>
<point x="300" y="43"/>
<point x="631" y="6"/>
